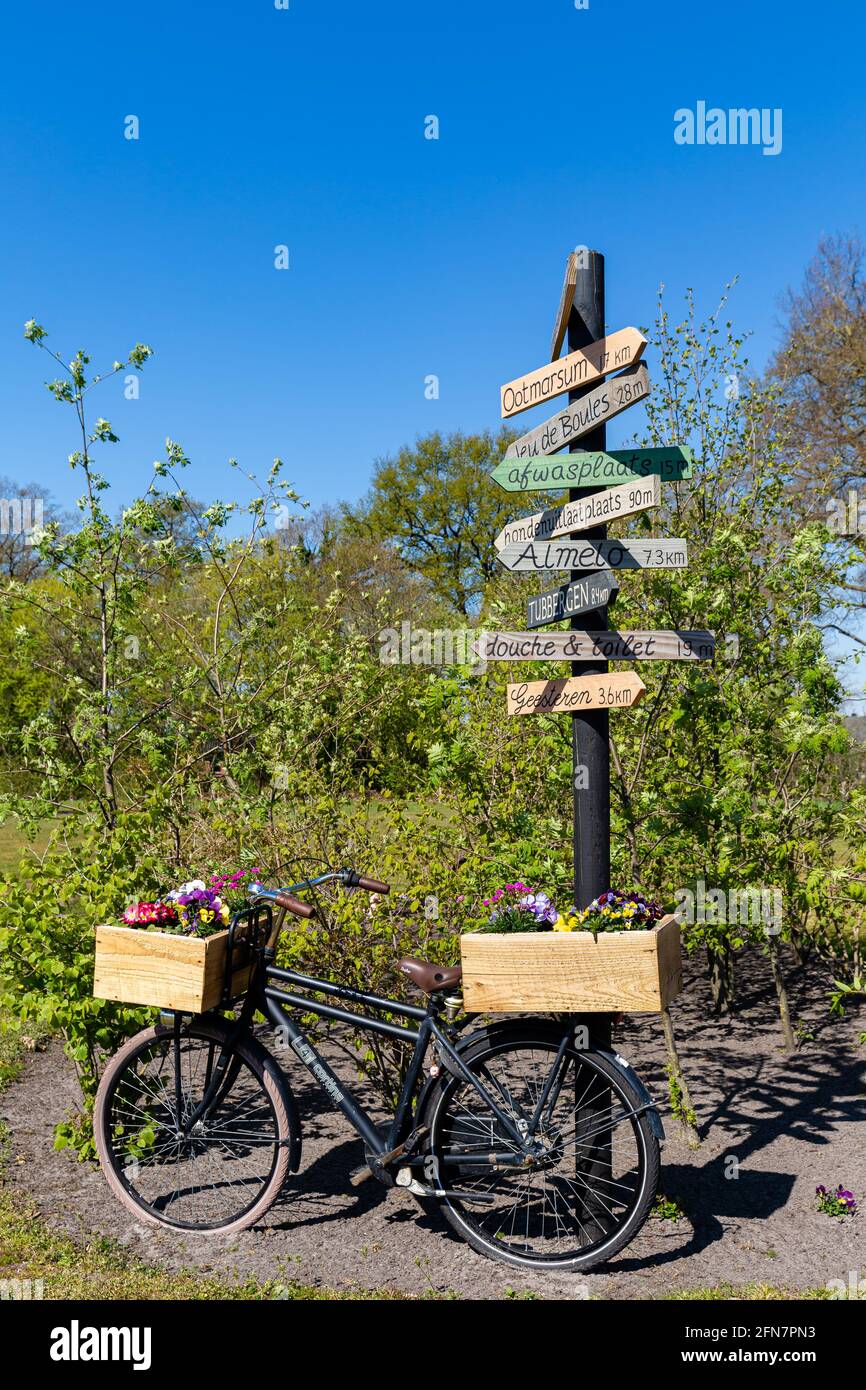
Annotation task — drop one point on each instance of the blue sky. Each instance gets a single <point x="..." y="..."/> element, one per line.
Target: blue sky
<point x="408" y="256"/>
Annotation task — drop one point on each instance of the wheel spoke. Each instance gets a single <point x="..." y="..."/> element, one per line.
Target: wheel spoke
<point x="588" y="1168"/>
<point x="212" y="1175"/>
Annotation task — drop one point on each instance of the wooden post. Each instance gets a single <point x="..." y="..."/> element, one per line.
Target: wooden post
<point x="590" y="755"/>
<point x="590" y="730"/>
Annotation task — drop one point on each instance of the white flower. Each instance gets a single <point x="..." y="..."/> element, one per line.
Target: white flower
<point x="195" y="885"/>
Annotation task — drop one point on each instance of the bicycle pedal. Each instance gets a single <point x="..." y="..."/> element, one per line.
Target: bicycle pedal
<point x="360" y="1175"/>
<point x="406" y="1181"/>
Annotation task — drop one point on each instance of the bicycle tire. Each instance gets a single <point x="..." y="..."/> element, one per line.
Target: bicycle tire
<point x="440" y="1107"/>
<point x="246" y="1053"/>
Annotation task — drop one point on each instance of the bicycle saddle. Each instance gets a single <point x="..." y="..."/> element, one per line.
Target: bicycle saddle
<point x="430" y="977"/>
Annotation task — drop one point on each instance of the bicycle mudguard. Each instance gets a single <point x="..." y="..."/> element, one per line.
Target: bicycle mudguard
<point x="488" y="1033"/>
<point x="648" y="1101"/>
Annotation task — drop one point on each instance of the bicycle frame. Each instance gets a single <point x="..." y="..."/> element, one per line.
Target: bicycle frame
<point x="272" y="1002"/>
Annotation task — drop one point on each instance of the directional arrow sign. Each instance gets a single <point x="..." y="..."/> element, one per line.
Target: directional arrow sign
<point x="566" y="300"/>
<point x="668" y="464"/>
<point x="595" y="646"/>
<point x="588" y="469"/>
<point x="616" y="690"/>
<point x="583" y="596"/>
<point x="593" y="409"/>
<point x="594" y="555"/>
<point x="579" y="368"/>
<point x="594" y="510"/>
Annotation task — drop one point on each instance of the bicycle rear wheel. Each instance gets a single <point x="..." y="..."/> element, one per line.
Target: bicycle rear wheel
<point x="227" y="1171"/>
<point x="591" y="1190"/>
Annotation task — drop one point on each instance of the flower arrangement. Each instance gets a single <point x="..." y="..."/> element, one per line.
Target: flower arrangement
<point x="517" y="908"/>
<point x="612" y="911"/>
<point x="193" y="909"/>
<point x="162" y="916"/>
<point x="838" y="1203"/>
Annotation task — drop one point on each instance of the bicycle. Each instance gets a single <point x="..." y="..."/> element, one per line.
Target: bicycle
<point x="540" y="1149"/>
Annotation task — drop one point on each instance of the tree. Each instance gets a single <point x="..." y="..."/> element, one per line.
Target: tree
<point x="819" y="378"/>
<point x="111" y="715"/>
<point x="25" y="509"/>
<point x="821" y="370"/>
<point x="437" y="505"/>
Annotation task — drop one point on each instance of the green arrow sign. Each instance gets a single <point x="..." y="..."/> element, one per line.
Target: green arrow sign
<point x="590" y="469"/>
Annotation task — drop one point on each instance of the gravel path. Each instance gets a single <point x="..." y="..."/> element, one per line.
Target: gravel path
<point x="790" y="1123"/>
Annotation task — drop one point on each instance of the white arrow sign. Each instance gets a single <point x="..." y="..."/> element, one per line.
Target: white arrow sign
<point x="594" y="555"/>
<point x="595" y="646"/>
<point x="594" y="510"/>
<point x="598" y="405"/>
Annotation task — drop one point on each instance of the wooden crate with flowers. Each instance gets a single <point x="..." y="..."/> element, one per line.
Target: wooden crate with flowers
<point x="620" y="954"/>
<point x="173" y="953"/>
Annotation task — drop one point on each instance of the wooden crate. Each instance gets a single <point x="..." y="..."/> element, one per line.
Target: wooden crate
<point x="186" y="973"/>
<point x="524" y="972"/>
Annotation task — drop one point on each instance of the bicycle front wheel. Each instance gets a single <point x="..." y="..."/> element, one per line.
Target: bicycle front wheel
<point x="220" y="1173"/>
<point x="592" y="1182"/>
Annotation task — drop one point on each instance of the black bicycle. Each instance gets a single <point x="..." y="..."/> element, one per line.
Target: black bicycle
<point x="541" y="1149"/>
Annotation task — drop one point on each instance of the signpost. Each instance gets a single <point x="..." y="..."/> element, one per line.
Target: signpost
<point x="548" y="540"/>
<point x="606" y="645"/>
<point x="583" y="596"/>
<point x="626" y="500"/>
<point x="616" y="690"/>
<point x="597" y="468"/>
<point x="569" y="373"/>
<point x="586" y="413"/>
<point x="585" y="554"/>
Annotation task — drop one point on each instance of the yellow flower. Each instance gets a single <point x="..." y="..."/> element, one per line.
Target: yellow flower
<point x="564" y="923"/>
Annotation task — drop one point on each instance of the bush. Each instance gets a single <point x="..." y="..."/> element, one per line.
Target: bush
<point x="49" y="912"/>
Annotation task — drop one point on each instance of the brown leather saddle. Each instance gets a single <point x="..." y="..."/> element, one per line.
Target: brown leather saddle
<point x="431" y="978"/>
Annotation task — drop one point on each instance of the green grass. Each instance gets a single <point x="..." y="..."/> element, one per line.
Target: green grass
<point x="13" y="843"/>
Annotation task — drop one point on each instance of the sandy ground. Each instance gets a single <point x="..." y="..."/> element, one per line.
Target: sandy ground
<point x="790" y="1122"/>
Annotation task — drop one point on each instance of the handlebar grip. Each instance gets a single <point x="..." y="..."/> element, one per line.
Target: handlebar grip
<point x="374" y="885"/>
<point x="293" y="905"/>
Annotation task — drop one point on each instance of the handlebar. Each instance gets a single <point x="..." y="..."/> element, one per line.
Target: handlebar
<point x="283" y="897"/>
<point x="292" y="905"/>
<point x="372" y="885"/>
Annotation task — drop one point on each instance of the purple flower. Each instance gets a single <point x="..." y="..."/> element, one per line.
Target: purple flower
<point x="540" y="906"/>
